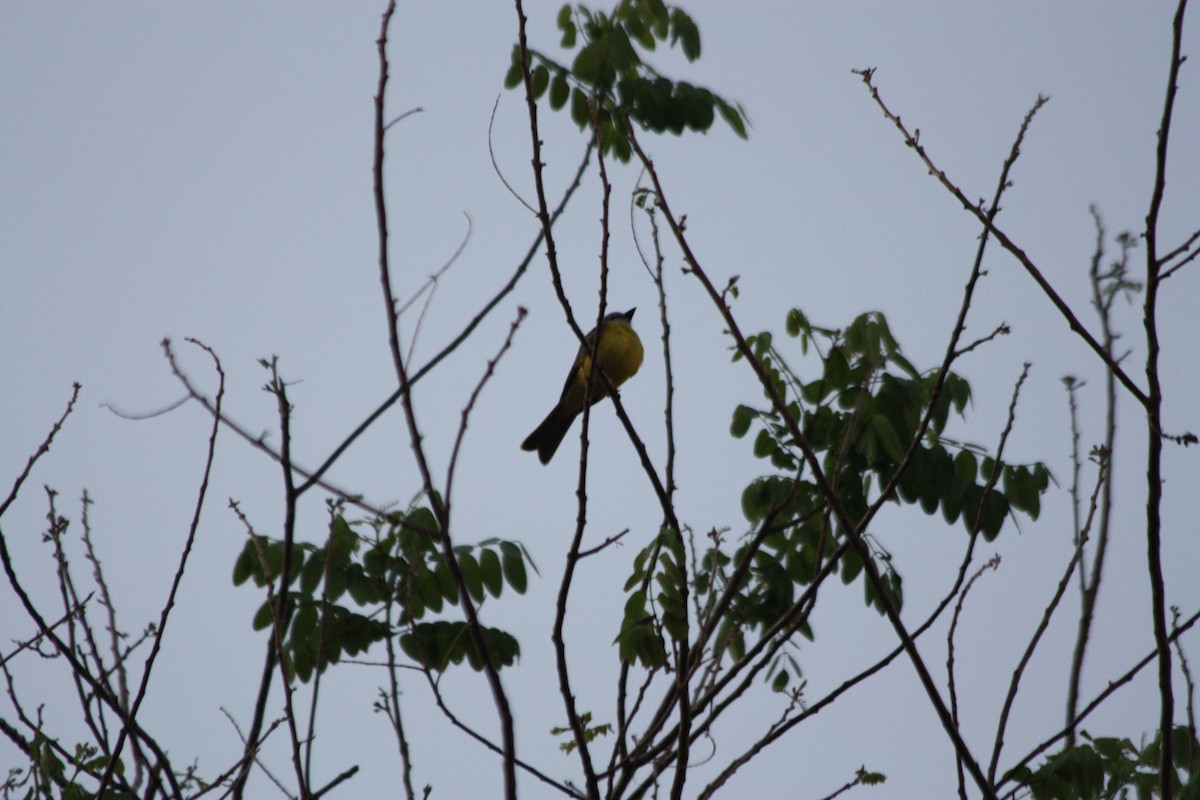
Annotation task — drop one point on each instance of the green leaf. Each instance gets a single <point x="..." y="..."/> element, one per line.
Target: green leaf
<point x="734" y="116"/>
<point x="304" y="623"/>
<point x="514" y="566"/>
<point x="742" y="416"/>
<point x="541" y="80"/>
<point x="589" y="61"/>
<point x="490" y="571"/>
<point x="560" y="91"/>
<point x="965" y="466"/>
<point x="427" y="588"/>
<point x="264" y="617"/>
<point x="580" y="111"/>
<point x="445" y="581"/>
<point x="684" y="31"/>
<point x="513" y="77"/>
<point x="243" y="567"/>
<point x="422" y="522"/>
<point x="764" y="445"/>
<point x="472" y="576"/>
<point x="886" y="435"/>
<point x="795" y="323"/>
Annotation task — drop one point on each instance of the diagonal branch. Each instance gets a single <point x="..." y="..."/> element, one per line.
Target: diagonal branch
<point x="1007" y="243"/>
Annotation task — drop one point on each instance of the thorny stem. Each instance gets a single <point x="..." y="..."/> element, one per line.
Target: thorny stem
<point x="1154" y="402"/>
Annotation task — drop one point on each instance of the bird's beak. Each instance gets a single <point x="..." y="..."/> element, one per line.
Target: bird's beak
<point x="629" y="314"/>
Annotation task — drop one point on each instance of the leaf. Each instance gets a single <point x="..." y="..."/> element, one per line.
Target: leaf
<point x="965" y="466"/>
<point x="541" y="80"/>
<point x="264" y="617"/>
<point x="514" y="567"/>
<point x="423" y="522"/>
<point x="445" y="581"/>
<point x="560" y="91"/>
<point x="734" y="116"/>
<point x="243" y="567"/>
<point x="742" y="416"/>
<point x="472" y="576"/>
<point x="490" y="571"/>
<point x="764" y="445"/>
<point x="588" y="62"/>
<point x="580" y="111"/>
<point x="513" y="77"/>
<point x="684" y="31"/>
<point x="886" y="435"/>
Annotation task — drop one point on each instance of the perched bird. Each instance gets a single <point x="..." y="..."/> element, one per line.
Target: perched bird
<point x="619" y="354"/>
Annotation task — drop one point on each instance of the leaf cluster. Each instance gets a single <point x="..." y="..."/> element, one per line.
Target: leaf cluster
<point x="648" y="612"/>
<point x="859" y="412"/>
<point x="609" y="79"/>
<point x="353" y="591"/>
<point x="1109" y="767"/>
<point x="50" y="768"/>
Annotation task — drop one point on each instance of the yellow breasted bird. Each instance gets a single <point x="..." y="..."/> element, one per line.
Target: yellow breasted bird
<point x="619" y="354"/>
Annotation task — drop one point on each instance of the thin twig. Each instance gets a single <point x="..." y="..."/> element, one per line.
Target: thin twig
<point x="496" y="167"/>
<point x="148" y="668"/>
<point x="466" y="412"/>
<point x="440" y="510"/>
<point x="1097" y="701"/>
<point x="992" y="563"/>
<point x="1007" y="243"/>
<point x="851" y="527"/>
<point x="42" y="449"/>
<point x="1014" y="684"/>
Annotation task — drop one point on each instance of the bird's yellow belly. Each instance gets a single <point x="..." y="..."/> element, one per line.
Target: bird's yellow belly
<point x="620" y="355"/>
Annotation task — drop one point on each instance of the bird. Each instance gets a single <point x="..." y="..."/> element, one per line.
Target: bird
<point x="619" y="354"/>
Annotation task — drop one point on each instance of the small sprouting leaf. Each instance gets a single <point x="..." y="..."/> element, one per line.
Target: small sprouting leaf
<point x="795" y="323"/>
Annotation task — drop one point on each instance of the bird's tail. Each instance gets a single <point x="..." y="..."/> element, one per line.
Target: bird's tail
<point x="546" y="438"/>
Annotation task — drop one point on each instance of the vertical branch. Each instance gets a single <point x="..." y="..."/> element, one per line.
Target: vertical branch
<point x="1154" y="425"/>
<point x="1105" y="288"/>
<point x="441" y="510"/>
<point x="392" y="701"/>
<point x="564" y="589"/>
<point x="280" y="601"/>
<point x="992" y="563"/>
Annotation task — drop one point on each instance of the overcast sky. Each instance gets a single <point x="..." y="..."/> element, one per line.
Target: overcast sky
<point x="203" y="169"/>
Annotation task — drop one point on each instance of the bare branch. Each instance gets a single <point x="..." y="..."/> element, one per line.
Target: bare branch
<point x="1007" y="243"/>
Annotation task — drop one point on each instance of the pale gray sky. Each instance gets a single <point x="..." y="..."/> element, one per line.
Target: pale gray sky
<point x="203" y="169"/>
